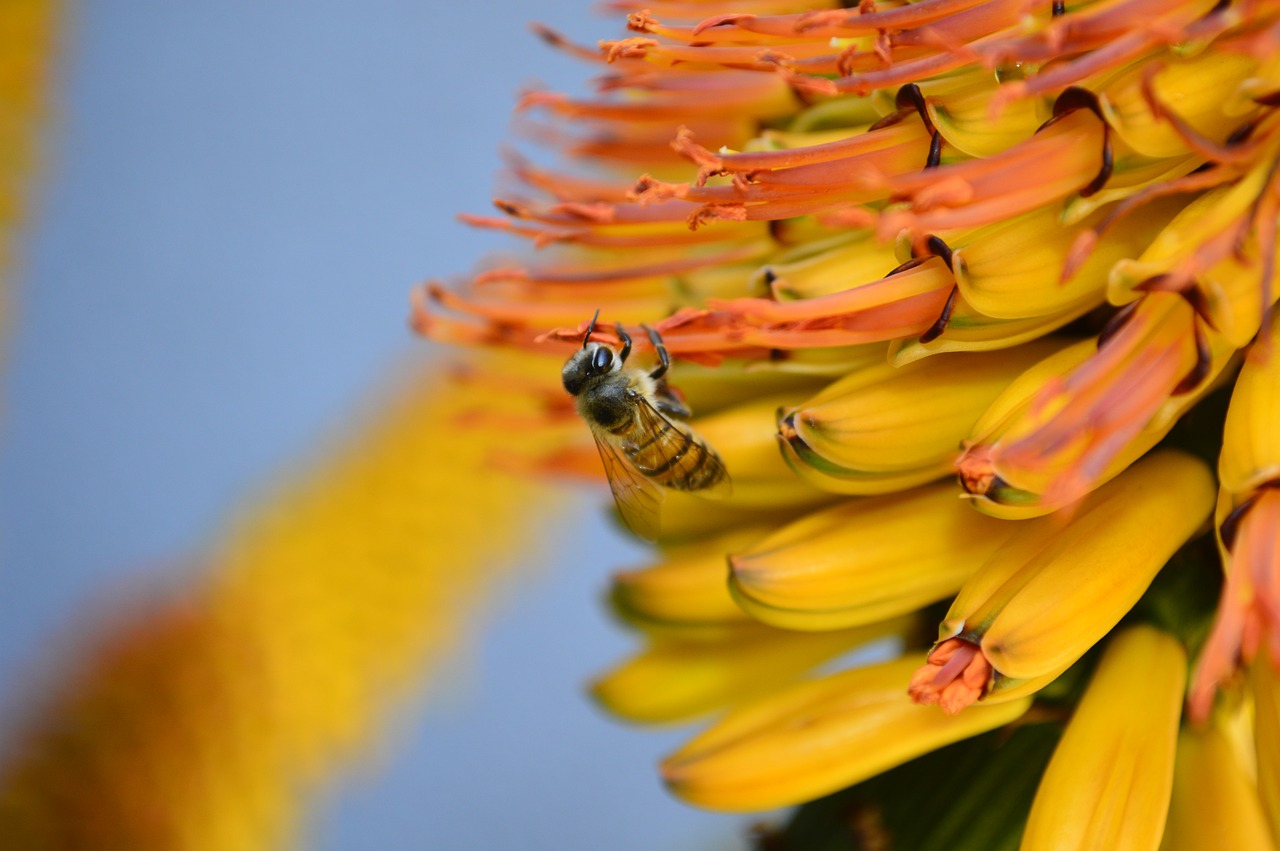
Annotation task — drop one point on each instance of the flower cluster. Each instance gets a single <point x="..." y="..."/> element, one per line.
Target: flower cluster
<point x="1026" y="246"/>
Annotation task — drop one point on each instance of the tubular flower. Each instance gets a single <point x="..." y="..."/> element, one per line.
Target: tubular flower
<point x="816" y="737"/>
<point x="1017" y="244"/>
<point x="1053" y="590"/>
<point x="1108" y="783"/>
<point x="1214" y="803"/>
<point x="1247" y="519"/>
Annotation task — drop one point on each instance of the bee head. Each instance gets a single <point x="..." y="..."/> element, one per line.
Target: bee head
<point x="591" y="361"/>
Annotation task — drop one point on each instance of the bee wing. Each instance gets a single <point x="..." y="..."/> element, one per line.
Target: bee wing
<point x="673" y="452"/>
<point x="638" y="498"/>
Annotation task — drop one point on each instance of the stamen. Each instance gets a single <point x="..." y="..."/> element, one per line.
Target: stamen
<point x="940" y="324"/>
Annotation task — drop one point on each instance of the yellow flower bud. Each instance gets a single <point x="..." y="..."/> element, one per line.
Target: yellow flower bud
<point x="674" y="680"/>
<point x="688" y="585"/>
<point x="1061" y="582"/>
<point x="817" y="737"/>
<point x="1215" y="803"/>
<point x="1109" y="781"/>
<point x="1264" y="685"/>
<point x="864" y="560"/>
<point x="883" y="428"/>
<point x="1203" y="91"/>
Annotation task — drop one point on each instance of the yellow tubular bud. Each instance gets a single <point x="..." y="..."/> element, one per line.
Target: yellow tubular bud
<point x="1264" y="684"/>
<point x="884" y="428"/>
<point x="1080" y="585"/>
<point x="817" y="272"/>
<point x="970" y="331"/>
<point x="744" y="438"/>
<point x="1013" y="269"/>
<point x="688" y="586"/>
<point x="864" y="560"/>
<point x="1108" y="783"/>
<point x="960" y="109"/>
<point x="1200" y="90"/>
<point x="817" y="737"/>
<point x="1060" y="583"/>
<point x="1251" y="440"/>
<point x="674" y="680"/>
<point x="1028" y="490"/>
<point x="1215" y="803"/>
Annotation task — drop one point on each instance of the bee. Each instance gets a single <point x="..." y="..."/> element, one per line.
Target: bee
<point x="629" y="412"/>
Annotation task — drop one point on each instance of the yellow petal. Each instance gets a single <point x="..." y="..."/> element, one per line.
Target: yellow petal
<point x="1013" y="269"/>
<point x="1251" y="439"/>
<point x="865" y="560"/>
<point x="1215" y="803"/>
<point x="1264" y="684"/>
<point x="1109" y="781"/>
<point x="1200" y="90"/>
<point x="673" y="680"/>
<point x="688" y="585"/>
<point x="900" y="424"/>
<point x="1061" y="582"/>
<point x="817" y="737"/>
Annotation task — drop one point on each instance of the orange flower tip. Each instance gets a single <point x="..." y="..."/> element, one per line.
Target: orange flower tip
<point x="809" y="85"/>
<point x="489" y="276"/>
<point x="976" y="471"/>
<point x="627" y="48"/>
<point x="533" y="99"/>
<point x="650" y="190"/>
<point x="600" y="213"/>
<point x="511" y="208"/>
<point x="787" y="427"/>
<point x="717" y="213"/>
<point x="1249" y="608"/>
<point x="727" y="20"/>
<point x="641" y="22"/>
<point x="819" y="18"/>
<point x="955" y="675"/>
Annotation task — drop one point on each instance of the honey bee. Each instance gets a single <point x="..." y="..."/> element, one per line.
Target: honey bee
<point x="629" y="412"/>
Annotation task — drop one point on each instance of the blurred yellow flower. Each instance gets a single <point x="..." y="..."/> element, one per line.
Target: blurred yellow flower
<point x="203" y="717"/>
<point x="1021" y="243"/>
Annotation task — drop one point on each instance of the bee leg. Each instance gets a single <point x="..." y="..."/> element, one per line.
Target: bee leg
<point x="626" y="343"/>
<point x="664" y="359"/>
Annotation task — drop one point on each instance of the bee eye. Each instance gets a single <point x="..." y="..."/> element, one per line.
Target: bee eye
<point x="602" y="359"/>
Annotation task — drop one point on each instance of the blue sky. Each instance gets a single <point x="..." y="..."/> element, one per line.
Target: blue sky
<point x="237" y="197"/>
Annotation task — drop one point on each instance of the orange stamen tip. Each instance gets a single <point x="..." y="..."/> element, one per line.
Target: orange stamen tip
<point x="529" y="100"/>
<point x="721" y="21"/>
<point x="955" y="675"/>
<point x="976" y="470"/>
<point x="718" y="213"/>
<point x="650" y="190"/>
<point x="627" y="48"/>
<point x="641" y="22"/>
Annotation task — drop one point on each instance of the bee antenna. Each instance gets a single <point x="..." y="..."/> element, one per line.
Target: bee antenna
<point x="590" y="328"/>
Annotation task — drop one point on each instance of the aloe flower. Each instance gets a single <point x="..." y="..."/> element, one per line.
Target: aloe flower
<point x="901" y="254"/>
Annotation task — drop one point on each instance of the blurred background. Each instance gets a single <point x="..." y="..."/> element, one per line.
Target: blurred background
<point x="208" y="288"/>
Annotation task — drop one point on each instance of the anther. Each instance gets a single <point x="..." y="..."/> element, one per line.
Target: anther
<point x="1069" y="101"/>
<point x="1200" y="371"/>
<point x="910" y="96"/>
<point x="935" y="151"/>
<point x="940" y="324"/>
<point x="1116" y="322"/>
